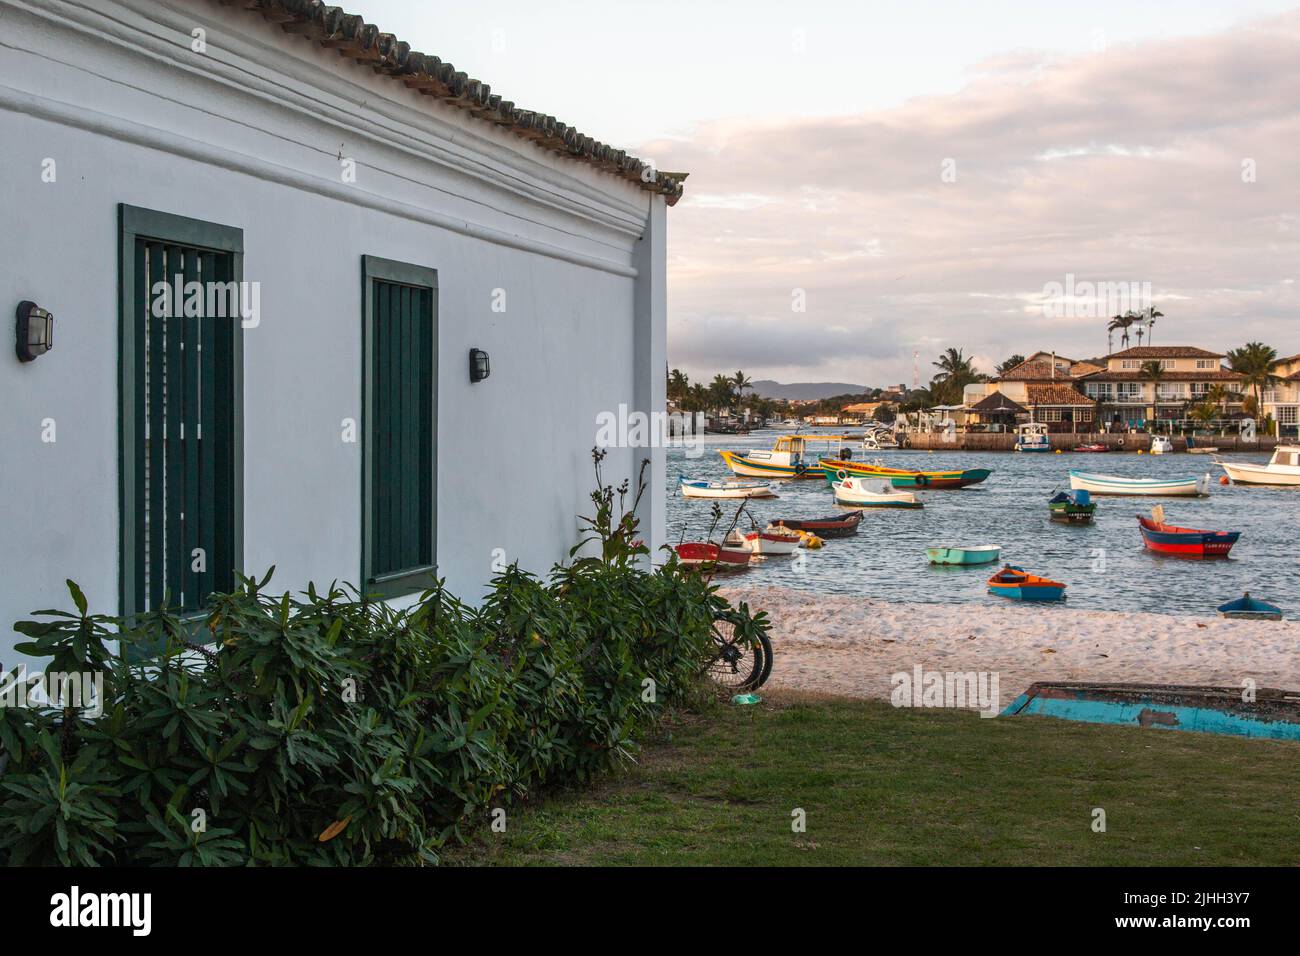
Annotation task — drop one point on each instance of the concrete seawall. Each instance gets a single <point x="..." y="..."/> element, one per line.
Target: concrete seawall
<point x="1066" y="442"/>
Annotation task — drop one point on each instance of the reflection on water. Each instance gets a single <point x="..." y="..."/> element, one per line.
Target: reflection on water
<point x="1104" y="563"/>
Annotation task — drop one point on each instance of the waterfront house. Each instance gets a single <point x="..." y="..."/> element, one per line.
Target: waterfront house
<point x="380" y="262"/>
<point x="1044" y="388"/>
<point x="1128" y="398"/>
<point x="1282" y="398"/>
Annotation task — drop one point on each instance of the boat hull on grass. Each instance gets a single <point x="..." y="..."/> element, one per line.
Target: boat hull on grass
<point x="837" y="469"/>
<point x="1142" y="487"/>
<point x="1186" y="542"/>
<point x="1272" y="714"/>
<point x="1016" y="584"/>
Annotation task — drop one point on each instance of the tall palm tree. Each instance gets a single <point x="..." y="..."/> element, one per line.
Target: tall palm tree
<point x="740" y="381"/>
<point x="1118" y="323"/>
<point x="956" y="371"/>
<point x="1149" y="319"/>
<point x="1254" y="362"/>
<point x="678" y="384"/>
<point x="722" y="392"/>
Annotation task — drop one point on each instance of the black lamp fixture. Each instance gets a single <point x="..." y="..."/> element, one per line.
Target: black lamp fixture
<point x="479" y="368"/>
<point x="35" y="331"/>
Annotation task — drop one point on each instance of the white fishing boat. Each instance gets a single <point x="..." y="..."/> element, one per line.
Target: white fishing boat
<point x="792" y="456"/>
<point x="790" y="424"/>
<point x="1161" y="445"/>
<point x="691" y="488"/>
<point x="1158" y="487"/>
<point x="773" y="540"/>
<point x="1032" y="436"/>
<point x="1283" y="469"/>
<point x="872" y="493"/>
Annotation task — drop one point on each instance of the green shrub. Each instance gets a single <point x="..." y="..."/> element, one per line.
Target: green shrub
<point x="332" y="729"/>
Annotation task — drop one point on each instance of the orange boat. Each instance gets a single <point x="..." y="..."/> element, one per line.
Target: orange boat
<point x="1019" y="585"/>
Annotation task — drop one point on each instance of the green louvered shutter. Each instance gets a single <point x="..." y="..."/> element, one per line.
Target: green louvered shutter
<point x="183" y="369"/>
<point x="401" y="430"/>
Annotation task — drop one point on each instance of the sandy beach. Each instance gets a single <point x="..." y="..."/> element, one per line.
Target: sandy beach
<point x="849" y="645"/>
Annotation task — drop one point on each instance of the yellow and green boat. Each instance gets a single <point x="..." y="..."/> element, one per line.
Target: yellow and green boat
<point x="837" y="469"/>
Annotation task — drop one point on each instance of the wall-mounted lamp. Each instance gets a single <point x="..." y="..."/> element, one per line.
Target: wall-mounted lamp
<point x="35" y="331"/>
<point x="479" y="368"/>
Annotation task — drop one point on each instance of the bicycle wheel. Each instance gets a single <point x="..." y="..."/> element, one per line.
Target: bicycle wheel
<point x="737" y="664"/>
<point x="767" y="662"/>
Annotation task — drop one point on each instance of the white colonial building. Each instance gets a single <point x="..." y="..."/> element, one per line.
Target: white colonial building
<point x="270" y="237"/>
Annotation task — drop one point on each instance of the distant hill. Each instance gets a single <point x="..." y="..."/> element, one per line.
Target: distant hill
<point x="807" y="391"/>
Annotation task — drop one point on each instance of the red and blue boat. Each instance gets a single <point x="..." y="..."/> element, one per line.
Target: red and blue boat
<point x="1019" y="585"/>
<point x="1186" y="542"/>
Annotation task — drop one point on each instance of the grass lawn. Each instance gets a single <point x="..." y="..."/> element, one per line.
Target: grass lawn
<point x="886" y="786"/>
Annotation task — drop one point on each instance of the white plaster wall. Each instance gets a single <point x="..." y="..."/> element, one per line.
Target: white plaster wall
<point x="583" y="330"/>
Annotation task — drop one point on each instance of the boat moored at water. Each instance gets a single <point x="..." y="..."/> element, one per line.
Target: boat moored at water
<point x="1161" y="445"/>
<point x="872" y="493"/>
<point x="831" y="526"/>
<point x="1157" y="487"/>
<point x="1033" y="437"/>
<point x="1017" y="584"/>
<point x="1282" y="470"/>
<point x="965" y="555"/>
<point x="1092" y="448"/>
<point x="839" y="469"/>
<point x="692" y="488"/>
<point x="1072" y="507"/>
<point x="791" y="456"/>
<point x="1184" y="542"/>
<point x="773" y="540"/>
<point x="729" y="556"/>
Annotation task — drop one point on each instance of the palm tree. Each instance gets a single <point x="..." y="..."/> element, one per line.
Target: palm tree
<point x="1206" y="412"/>
<point x="1010" y="363"/>
<point x="1118" y="323"/>
<point x="1154" y="372"/>
<point x="1254" y="362"/>
<point x="955" y="373"/>
<point x="722" y="392"/>
<point x="1149" y="319"/>
<point x="678" y="384"/>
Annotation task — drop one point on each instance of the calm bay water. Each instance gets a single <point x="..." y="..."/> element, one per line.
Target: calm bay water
<point x="886" y="559"/>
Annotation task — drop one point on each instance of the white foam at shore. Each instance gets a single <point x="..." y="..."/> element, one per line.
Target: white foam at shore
<point x="849" y="645"/>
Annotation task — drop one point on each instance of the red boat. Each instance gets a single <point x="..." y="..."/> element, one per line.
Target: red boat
<point x="728" y="558"/>
<point x="1095" y="448"/>
<point x="833" y="526"/>
<point x="1186" y="542"/>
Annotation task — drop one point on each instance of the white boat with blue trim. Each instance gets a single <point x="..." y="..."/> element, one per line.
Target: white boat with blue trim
<point x="1154" y="487"/>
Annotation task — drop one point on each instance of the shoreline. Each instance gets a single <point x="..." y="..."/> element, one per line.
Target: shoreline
<point x="845" y="645"/>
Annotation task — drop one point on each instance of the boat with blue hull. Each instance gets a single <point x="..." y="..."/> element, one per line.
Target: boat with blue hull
<point x="1248" y="608"/>
<point x="1017" y="584"/>
<point x="1272" y="714"/>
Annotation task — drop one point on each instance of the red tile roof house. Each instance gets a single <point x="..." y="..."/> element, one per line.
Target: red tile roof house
<point x="1048" y="393"/>
<point x="385" y="214"/>
<point x="1127" y="398"/>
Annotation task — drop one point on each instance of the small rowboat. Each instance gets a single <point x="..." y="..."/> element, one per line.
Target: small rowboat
<point x="837" y="469"/>
<point x="730" y="556"/>
<point x="1113" y="485"/>
<point x="724" y="489"/>
<point x="861" y="493"/>
<point x="773" y="540"/>
<point x="1185" y="542"/>
<point x="834" y="526"/>
<point x="1250" y="609"/>
<point x="1019" y="585"/>
<point x="1268" y="713"/>
<point x="1094" y="448"/>
<point x="981" y="554"/>
<point x="1072" y="507"/>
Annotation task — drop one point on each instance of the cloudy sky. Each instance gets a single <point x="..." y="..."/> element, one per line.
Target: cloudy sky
<point x="918" y="175"/>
